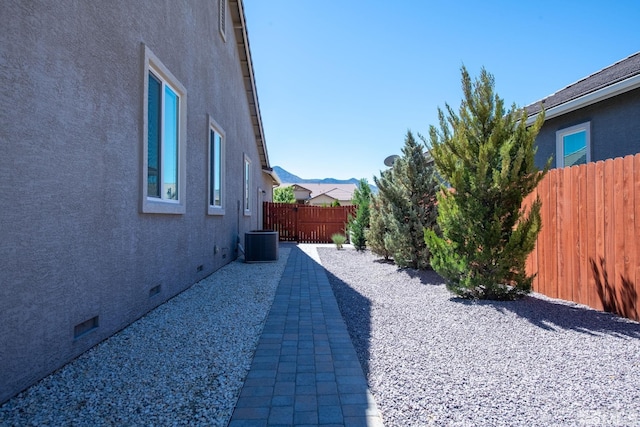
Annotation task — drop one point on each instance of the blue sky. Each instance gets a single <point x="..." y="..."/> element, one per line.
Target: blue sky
<point x="341" y="81"/>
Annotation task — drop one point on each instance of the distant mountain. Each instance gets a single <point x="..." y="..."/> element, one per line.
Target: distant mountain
<point x="289" y="178"/>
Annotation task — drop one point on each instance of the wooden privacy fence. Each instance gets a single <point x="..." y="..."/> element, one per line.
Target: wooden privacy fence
<point x="588" y="250"/>
<point x="305" y="223"/>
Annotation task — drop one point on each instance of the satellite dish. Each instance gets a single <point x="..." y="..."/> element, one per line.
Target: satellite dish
<point x="390" y="160"/>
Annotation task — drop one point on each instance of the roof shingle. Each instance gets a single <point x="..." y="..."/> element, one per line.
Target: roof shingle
<point x="621" y="70"/>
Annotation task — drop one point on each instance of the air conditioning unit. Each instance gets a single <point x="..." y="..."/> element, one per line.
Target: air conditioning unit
<point x="261" y="246"/>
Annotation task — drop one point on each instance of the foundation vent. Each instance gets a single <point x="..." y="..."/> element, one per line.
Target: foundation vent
<point x="154" y="291"/>
<point x="85" y="327"/>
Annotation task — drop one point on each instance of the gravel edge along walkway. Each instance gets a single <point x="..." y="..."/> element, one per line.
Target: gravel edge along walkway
<point x="435" y="360"/>
<point x="183" y="363"/>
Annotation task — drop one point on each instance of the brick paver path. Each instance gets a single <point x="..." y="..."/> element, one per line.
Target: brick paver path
<point x="305" y="370"/>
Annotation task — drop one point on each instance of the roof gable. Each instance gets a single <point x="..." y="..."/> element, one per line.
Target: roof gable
<point x="335" y="191"/>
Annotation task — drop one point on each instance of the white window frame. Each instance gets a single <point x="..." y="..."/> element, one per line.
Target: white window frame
<point x="222" y="18"/>
<point x="153" y="204"/>
<point x="582" y="127"/>
<point x="246" y="182"/>
<point x="216" y="128"/>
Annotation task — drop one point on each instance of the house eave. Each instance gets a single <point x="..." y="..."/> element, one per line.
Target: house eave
<point x="240" y="28"/>
<point x="590" y="98"/>
<point x="275" y="179"/>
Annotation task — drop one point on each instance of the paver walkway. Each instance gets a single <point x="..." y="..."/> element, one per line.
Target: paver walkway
<point x="305" y="370"/>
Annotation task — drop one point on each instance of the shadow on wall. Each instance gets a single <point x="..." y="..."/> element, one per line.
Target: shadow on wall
<point x="618" y="300"/>
<point x="356" y="312"/>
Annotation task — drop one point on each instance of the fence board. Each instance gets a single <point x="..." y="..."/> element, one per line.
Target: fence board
<point x="598" y="258"/>
<point x="553" y="230"/>
<point x="630" y="250"/>
<point x="305" y="223"/>
<point x="580" y="266"/>
<point x="608" y="264"/>
<point x="636" y="235"/>
<point x="587" y="249"/>
<point x="566" y="243"/>
<point x="533" y="259"/>
<point x="622" y="288"/>
<point x="590" y="231"/>
<point x="541" y="243"/>
<point x="618" y="231"/>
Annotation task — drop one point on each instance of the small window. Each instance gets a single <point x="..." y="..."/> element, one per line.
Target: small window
<point x="247" y="185"/>
<point x="216" y="169"/>
<point x="164" y="140"/>
<point x="222" y="18"/>
<point x="573" y="145"/>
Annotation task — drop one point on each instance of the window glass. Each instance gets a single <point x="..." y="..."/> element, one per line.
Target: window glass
<point x="215" y="196"/>
<point x="573" y="145"/>
<point x="247" y="185"/>
<point x="170" y="158"/>
<point x="153" y="154"/>
<point x="575" y="148"/>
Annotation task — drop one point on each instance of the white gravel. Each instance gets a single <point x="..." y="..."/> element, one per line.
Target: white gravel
<point x="435" y="360"/>
<point x="182" y="364"/>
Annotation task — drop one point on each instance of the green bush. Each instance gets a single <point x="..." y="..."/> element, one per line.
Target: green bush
<point x="284" y="195"/>
<point x="360" y="222"/>
<point x="338" y="239"/>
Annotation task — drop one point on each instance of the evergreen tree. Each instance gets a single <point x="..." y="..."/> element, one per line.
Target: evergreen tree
<point x="284" y="195"/>
<point x="360" y="222"/>
<point x="408" y="193"/>
<point x="377" y="228"/>
<point x="486" y="154"/>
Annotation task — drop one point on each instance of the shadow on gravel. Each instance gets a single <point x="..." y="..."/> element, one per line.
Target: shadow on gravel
<point x="552" y="316"/>
<point x="426" y="277"/>
<point x="356" y="312"/>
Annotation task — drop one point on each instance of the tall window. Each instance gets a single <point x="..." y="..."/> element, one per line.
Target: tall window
<point x="216" y="169"/>
<point x="165" y="140"/>
<point x="247" y="185"/>
<point x="163" y="123"/>
<point x="573" y="145"/>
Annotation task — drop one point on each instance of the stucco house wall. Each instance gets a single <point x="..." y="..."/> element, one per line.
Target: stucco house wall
<point x="75" y="245"/>
<point x="321" y="200"/>
<point x="300" y="193"/>
<point x="605" y="104"/>
<point x="615" y="128"/>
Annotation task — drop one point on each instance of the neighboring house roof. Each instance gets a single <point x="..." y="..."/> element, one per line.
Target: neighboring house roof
<point x="297" y="187"/>
<point x="335" y="191"/>
<point x="613" y="80"/>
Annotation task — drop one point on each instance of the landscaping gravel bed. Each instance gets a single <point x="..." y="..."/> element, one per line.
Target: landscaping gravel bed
<point x="182" y="364"/>
<point x="432" y="359"/>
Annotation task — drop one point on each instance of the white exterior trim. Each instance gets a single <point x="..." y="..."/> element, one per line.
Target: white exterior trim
<point x="215" y="127"/>
<point x="582" y="127"/>
<point x="590" y="98"/>
<point x="150" y="204"/>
